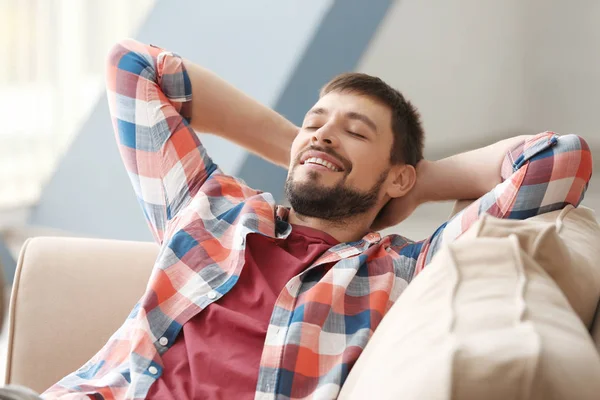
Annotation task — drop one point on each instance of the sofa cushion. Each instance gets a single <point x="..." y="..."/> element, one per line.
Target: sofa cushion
<point x="566" y="244"/>
<point x="497" y="314"/>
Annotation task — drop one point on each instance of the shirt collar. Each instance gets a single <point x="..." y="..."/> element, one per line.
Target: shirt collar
<point x="283" y="229"/>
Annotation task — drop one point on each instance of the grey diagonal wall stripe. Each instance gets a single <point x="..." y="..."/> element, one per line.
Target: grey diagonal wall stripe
<point x="336" y="47"/>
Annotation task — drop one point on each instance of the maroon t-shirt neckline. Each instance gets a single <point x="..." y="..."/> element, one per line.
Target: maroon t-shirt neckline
<point x="315" y="233"/>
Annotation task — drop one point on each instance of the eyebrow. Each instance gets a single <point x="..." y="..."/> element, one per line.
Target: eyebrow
<point x="351" y="115"/>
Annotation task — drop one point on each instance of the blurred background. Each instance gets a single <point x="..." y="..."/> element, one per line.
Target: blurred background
<point x="479" y="71"/>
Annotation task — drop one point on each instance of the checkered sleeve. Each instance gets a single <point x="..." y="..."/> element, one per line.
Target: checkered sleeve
<point x="149" y="94"/>
<point x="542" y="174"/>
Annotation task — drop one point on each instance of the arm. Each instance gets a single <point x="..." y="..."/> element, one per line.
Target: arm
<point x="150" y="98"/>
<point x="220" y="108"/>
<point x="463" y="176"/>
<point x="541" y="174"/>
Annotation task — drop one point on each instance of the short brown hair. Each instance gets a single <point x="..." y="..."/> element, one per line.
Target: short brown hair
<point x="406" y="122"/>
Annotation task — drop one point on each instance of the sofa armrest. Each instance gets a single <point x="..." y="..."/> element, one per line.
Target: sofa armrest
<point x="69" y="295"/>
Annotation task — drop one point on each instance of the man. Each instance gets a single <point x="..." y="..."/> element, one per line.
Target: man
<point x="253" y="300"/>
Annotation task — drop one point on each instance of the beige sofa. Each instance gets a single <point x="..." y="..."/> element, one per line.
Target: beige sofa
<point x="71" y="294"/>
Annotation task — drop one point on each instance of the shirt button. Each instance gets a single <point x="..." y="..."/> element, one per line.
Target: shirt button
<point x="163" y="341"/>
<point x="212" y="295"/>
<point x="153" y="370"/>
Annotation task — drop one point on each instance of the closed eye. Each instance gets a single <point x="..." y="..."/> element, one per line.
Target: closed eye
<point x="358" y="135"/>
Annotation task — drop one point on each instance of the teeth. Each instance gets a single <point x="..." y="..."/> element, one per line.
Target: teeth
<point x="316" y="160"/>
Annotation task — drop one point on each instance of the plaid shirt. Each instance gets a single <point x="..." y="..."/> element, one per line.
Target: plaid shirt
<point x="323" y="318"/>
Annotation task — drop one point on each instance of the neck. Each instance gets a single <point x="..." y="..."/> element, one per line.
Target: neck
<point x="350" y="230"/>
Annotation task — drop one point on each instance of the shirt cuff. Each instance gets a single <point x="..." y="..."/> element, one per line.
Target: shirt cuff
<point x="174" y="82"/>
<point x="523" y="152"/>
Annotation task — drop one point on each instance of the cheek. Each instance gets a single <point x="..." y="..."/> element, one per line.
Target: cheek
<point x="360" y="175"/>
<point x="293" y="155"/>
<point x="297" y="145"/>
<point x="363" y="155"/>
<point x="367" y="168"/>
<point x="376" y="156"/>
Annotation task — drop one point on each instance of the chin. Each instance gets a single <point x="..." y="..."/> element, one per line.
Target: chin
<point x="306" y="176"/>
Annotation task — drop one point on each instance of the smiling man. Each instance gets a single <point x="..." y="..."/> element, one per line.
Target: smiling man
<point x="337" y="171"/>
<point x="249" y="299"/>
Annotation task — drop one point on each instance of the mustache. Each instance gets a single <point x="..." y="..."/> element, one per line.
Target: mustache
<point x="347" y="165"/>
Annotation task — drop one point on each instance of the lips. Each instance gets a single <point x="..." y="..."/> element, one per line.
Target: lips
<point x="322" y="158"/>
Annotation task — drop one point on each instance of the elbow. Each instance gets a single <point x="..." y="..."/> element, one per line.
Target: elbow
<point x="116" y="52"/>
<point x="126" y="48"/>
<point x="572" y="168"/>
<point x="132" y="58"/>
<point x="579" y="159"/>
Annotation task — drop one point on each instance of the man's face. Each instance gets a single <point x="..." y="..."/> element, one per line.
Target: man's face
<point x="340" y="158"/>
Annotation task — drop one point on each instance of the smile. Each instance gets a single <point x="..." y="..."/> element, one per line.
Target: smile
<point x="320" y="161"/>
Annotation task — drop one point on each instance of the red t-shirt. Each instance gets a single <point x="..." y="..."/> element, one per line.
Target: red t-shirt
<point x="217" y="354"/>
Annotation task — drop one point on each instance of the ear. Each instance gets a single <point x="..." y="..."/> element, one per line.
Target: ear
<point x="404" y="178"/>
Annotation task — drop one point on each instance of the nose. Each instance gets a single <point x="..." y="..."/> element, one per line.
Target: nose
<point x="324" y="136"/>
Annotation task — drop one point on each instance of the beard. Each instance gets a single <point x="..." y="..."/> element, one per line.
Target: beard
<point x="334" y="204"/>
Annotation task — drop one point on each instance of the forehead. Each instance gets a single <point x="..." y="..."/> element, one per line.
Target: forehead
<point x="346" y="102"/>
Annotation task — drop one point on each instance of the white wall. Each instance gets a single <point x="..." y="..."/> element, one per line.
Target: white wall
<point x="457" y="61"/>
<point x="561" y="58"/>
